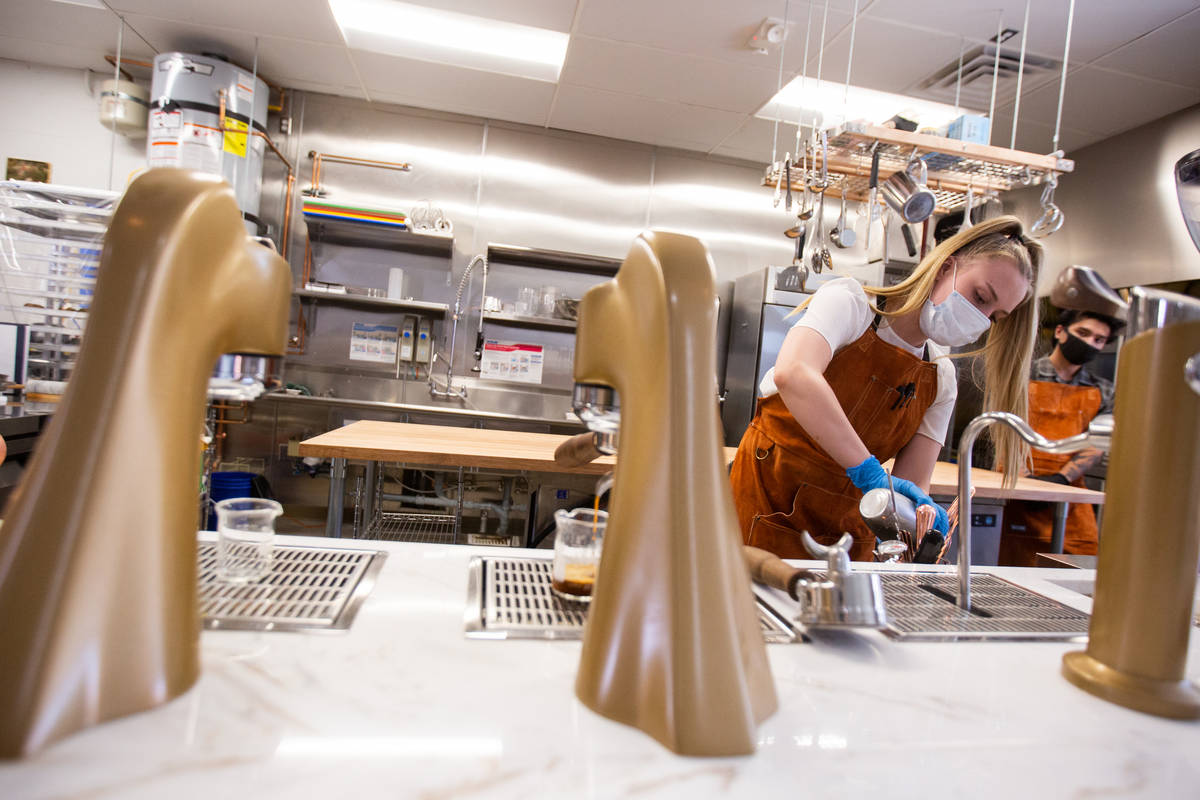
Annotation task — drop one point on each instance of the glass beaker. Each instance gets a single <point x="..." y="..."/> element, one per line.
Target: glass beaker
<point x="577" y="544"/>
<point x="245" y="535"/>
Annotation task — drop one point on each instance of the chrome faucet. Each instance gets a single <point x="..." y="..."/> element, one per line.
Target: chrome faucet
<point x="449" y="389"/>
<point x="1098" y="435"/>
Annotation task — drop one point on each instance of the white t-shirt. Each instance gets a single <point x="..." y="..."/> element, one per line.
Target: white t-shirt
<point x="841" y="313"/>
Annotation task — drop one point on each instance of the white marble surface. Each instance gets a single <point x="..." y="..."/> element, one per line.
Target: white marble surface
<point x="404" y="706"/>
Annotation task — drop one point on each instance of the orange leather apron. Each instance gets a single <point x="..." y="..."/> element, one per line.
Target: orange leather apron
<point x="785" y="483"/>
<point x="1056" y="411"/>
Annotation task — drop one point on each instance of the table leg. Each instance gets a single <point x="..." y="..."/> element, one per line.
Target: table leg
<point x="337" y="490"/>
<point x="368" y="501"/>
<point x="1059" y="532"/>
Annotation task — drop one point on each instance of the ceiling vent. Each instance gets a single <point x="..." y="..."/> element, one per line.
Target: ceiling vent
<point x="977" y="66"/>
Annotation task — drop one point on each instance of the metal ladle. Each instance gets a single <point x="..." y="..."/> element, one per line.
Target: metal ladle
<point x="842" y="236"/>
<point x="821" y="257"/>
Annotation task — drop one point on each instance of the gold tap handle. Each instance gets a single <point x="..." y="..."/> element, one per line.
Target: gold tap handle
<point x="577" y="450"/>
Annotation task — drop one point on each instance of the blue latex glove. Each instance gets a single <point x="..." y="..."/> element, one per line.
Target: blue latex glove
<point x="870" y="475"/>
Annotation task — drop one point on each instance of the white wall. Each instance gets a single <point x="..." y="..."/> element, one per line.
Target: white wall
<point x="50" y="114"/>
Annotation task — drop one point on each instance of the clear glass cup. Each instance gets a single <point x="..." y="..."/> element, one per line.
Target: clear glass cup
<point x="549" y="297"/>
<point x="245" y="536"/>
<point x="577" y="544"/>
<point x="528" y="302"/>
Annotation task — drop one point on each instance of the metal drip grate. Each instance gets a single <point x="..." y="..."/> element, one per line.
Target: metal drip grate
<point x="922" y="606"/>
<point x="308" y="588"/>
<point x="412" y="527"/>
<point x="510" y="598"/>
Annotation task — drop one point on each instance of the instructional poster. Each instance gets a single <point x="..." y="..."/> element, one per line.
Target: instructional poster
<point x="511" y="361"/>
<point x="375" y="343"/>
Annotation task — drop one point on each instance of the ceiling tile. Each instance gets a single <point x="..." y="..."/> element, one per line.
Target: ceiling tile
<point x="554" y="15"/>
<point x="708" y="28"/>
<point x="310" y="20"/>
<point x="1097" y="28"/>
<point x="58" y="55"/>
<point x="288" y="62"/>
<point x="59" y="23"/>
<point x="639" y="119"/>
<point x="445" y="88"/>
<point x="1169" y="53"/>
<point x="167" y="36"/>
<point x="1106" y="102"/>
<point x="753" y="141"/>
<point x="1038" y="137"/>
<point x="660" y="75"/>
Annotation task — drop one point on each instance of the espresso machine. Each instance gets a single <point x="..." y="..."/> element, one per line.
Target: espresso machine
<point x="98" y="602"/>
<point x="672" y="644"/>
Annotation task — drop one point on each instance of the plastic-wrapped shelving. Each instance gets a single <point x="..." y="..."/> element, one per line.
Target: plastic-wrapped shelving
<point x="50" y="242"/>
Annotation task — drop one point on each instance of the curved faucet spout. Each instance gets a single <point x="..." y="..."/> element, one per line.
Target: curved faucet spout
<point x="1099" y="435"/>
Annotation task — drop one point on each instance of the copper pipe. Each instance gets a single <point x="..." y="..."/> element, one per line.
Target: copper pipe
<point x="113" y="60"/>
<point x="319" y="158"/>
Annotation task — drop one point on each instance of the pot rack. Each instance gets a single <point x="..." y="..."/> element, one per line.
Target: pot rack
<point x="954" y="166"/>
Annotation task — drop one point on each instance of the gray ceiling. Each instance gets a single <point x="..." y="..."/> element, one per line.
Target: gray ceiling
<point x="668" y="72"/>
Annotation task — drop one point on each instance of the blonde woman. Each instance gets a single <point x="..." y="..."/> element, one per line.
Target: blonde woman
<point x="864" y="376"/>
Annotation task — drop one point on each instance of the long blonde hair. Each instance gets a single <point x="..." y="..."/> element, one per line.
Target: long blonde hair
<point x="1008" y="352"/>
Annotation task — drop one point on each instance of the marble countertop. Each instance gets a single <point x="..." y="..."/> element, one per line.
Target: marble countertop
<point x="403" y="705"/>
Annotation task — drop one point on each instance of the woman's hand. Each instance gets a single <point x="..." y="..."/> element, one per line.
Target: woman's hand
<point x="870" y="475"/>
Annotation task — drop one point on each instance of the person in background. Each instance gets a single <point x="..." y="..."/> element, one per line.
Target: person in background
<point x="1064" y="398"/>
<point x="863" y="376"/>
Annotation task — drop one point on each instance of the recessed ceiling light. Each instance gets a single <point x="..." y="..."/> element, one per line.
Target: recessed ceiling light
<point x="85" y="3"/>
<point x="447" y="37"/>
<point x="826" y="103"/>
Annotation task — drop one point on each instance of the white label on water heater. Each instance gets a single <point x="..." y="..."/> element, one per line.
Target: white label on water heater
<point x="189" y="145"/>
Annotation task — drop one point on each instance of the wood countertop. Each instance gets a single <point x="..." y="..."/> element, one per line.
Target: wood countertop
<point x="448" y="446"/>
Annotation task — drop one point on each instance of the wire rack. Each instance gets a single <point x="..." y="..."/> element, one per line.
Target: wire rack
<point x="404" y="526"/>
<point x="954" y="166"/>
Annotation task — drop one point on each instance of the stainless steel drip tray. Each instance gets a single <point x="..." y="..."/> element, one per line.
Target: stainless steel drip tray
<point x="921" y="606"/>
<point x="307" y="589"/>
<point x="510" y="598"/>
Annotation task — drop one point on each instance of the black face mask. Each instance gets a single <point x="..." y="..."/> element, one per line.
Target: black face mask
<point x="1076" y="350"/>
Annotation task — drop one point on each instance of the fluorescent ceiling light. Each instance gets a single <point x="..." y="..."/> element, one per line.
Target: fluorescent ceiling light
<point x="447" y="37"/>
<point x="813" y="102"/>
<point x="84" y="3"/>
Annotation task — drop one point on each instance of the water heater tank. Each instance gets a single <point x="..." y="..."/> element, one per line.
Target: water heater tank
<point x="185" y="129"/>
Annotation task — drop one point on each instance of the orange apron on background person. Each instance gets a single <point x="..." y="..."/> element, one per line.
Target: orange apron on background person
<point x="1056" y="411"/>
<point x="785" y="483"/>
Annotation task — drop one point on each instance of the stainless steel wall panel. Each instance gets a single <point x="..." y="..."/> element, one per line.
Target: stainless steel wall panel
<point x="723" y="205"/>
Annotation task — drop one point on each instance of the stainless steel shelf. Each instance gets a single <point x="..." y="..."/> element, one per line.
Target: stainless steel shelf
<point x="435" y="309"/>
<point x="369" y="234"/>
<point x="539" y="323"/>
<point x="552" y="259"/>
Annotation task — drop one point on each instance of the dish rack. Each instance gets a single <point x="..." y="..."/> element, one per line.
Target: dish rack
<point x="50" y="243"/>
<point x="955" y="166"/>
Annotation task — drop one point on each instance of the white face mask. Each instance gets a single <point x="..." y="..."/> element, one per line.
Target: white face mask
<point x="955" y="321"/>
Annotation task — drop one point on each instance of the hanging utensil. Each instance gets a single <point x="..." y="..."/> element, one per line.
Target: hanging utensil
<point x="967" y="207"/>
<point x="905" y="191"/>
<point x="775" y="168"/>
<point x="873" y="194"/>
<point x="1052" y="217"/>
<point x="909" y="242"/>
<point x="842" y="236"/>
<point x="787" y="176"/>
<point x="821" y="257"/>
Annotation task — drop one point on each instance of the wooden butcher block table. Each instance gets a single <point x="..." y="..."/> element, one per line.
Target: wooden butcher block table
<point x="445" y="446"/>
